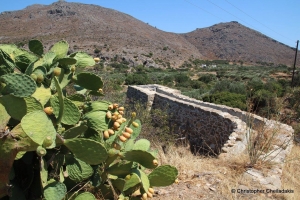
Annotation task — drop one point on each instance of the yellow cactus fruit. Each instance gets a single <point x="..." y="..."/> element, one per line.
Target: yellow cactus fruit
<point x="125" y="134"/>
<point x="127" y="177"/>
<point x="116" y="146"/>
<point x="151" y="190"/>
<point x="135" y="124"/>
<point x="149" y="195"/>
<point x="73" y="68"/>
<point x="115" y="105"/>
<point x="106" y="134"/>
<point x="108" y="115"/>
<point x="123" y="119"/>
<point x="121" y="112"/>
<point x="176" y="181"/>
<point x="48" y="110"/>
<point x="116" y="125"/>
<point x="121" y="109"/>
<point x="57" y="71"/>
<point x="120" y="116"/>
<point x="33" y="76"/>
<point x="122" y="138"/>
<point x="47" y="141"/>
<point x="133" y="114"/>
<point x="120" y="121"/>
<point x="40" y="78"/>
<point x="128" y="130"/>
<point x="110" y="132"/>
<point x="100" y="90"/>
<point x="155" y="162"/>
<point x="97" y="60"/>
<point x="110" y="107"/>
<point x="114" y="118"/>
<point x="144" y="196"/>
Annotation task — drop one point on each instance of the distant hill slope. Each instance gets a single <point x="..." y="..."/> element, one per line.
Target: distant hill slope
<point x="91" y="27"/>
<point x="105" y="33"/>
<point x="233" y="41"/>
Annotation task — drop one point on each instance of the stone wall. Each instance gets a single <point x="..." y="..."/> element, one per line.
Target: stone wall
<point x="207" y="126"/>
<point x="217" y="129"/>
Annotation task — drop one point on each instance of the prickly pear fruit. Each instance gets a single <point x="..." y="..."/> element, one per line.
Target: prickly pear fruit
<point x="151" y="190"/>
<point x="48" y="110"/>
<point x="121" y="109"/>
<point x="40" y="78"/>
<point x="127" y="177"/>
<point x="106" y="134"/>
<point x="176" y="181"/>
<point x="115" y="105"/>
<point x="41" y="151"/>
<point x="116" y="146"/>
<point x="111" y="132"/>
<point x="108" y="114"/>
<point x="155" y="162"/>
<point x="120" y="121"/>
<point x="110" y="107"/>
<point x="133" y="115"/>
<point x="122" y="138"/>
<point x="100" y="90"/>
<point x="126" y="135"/>
<point x="144" y="196"/>
<point x="47" y="141"/>
<point x="57" y="71"/>
<point x="135" y="124"/>
<point x="123" y="120"/>
<point x="121" y="112"/>
<point x="73" y="68"/>
<point x="149" y="195"/>
<point x="33" y="76"/>
<point x="128" y="130"/>
<point x="97" y="59"/>
<point x="116" y="125"/>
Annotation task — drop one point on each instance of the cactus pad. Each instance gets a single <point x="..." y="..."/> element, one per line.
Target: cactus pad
<point x="83" y="59"/>
<point x="97" y="120"/>
<point x="18" y="107"/>
<point x="96" y="106"/>
<point x="71" y="114"/>
<point x="55" y="191"/>
<point x="144" y="179"/>
<point x="75" y="131"/>
<point x="6" y="63"/>
<point x="66" y="61"/>
<point x="89" y="81"/>
<point x="143" y="157"/>
<point x="42" y="94"/>
<point x="132" y="183"/>
<point x="77" y="169"/>
<point x="60" y="49"/>
<point x="85" y="196"/>
<point x="38" y="126"/>
<point x="142" y="144"/>
<point x="120" y="168"/>
<point x="36" y="47"/>
<point x="19" y="85"/>
<point x="87" y="150"/>
<point x="163" y="176"/>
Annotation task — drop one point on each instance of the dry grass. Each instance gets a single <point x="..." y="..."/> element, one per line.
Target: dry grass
<point x="291" y="173"/>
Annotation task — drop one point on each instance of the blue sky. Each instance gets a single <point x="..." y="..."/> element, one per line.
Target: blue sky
<point x="278" y="19"/>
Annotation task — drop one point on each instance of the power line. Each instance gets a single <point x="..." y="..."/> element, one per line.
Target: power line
<point x="204" y="10"/>
<point x="228" y="12"/>
<point x="258" y="21"/>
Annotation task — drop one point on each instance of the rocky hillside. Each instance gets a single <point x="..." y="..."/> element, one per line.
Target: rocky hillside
<point x="235" y="42"/>
<point x="96" y="29"/>
<point x="107" y="33"/>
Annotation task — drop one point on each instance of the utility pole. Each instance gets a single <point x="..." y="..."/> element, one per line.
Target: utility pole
<point x="295" y="64"/>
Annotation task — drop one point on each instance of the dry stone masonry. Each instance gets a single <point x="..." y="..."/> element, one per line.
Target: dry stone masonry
<point x="216" y="129"/>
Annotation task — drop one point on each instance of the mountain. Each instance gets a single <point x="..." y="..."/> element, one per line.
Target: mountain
<point x="235" y="42"/>
<point x="96" y="29"/>
<point x="113" y="35"/>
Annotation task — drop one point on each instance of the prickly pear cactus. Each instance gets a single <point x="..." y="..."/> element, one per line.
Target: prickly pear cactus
<point x="65" y="143"/>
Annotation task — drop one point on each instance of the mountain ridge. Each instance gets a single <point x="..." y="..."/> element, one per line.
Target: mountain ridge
<point x="106" y="33"/>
